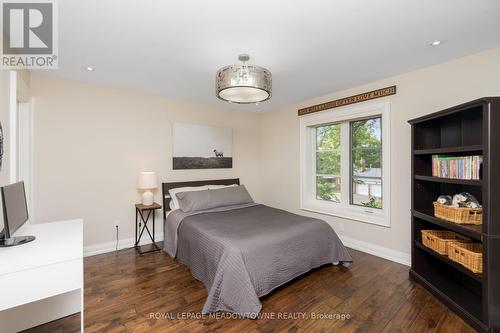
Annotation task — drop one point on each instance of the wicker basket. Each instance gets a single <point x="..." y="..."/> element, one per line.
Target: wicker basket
<point x="469" y="255"/>
<point x="439" y="240"/>
<point x="459" y="215"/>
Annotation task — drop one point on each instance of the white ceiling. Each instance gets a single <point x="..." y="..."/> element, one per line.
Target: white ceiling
<point x="312" y="47"/>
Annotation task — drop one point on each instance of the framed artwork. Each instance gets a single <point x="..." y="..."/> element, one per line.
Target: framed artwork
<point x="202" y="147"/>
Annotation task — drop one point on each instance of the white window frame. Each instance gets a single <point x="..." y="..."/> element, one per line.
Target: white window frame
<point x="344" y="209"/>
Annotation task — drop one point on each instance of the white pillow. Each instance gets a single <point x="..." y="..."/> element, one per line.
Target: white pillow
<point x="174" y="204"/>
<point x="216" y="187"/>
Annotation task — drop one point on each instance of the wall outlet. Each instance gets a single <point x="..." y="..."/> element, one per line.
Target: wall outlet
<point x="117" y="223"/>
<point x="341" y="226"/>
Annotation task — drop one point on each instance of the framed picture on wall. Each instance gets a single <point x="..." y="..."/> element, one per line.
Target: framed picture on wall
<point x="202" y="147"/>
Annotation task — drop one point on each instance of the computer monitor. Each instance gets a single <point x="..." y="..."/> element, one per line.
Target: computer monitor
<point x="15" y="214"/>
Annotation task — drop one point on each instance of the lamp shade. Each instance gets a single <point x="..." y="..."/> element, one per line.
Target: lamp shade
<point x="243" y="84"/>
<point x="147" y="180"/>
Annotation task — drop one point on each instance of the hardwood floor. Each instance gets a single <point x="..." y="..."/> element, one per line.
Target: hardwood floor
<point x="125" y="292"/>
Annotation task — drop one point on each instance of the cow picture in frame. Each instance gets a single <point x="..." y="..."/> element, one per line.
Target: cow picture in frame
<point x="201" y="147"/>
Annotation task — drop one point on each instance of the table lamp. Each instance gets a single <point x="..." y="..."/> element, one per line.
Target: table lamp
<point x="147" y="182"/>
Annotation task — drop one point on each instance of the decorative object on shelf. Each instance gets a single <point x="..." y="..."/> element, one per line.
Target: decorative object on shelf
<point x="469" y="255"/>
<point x="462" y="208"/>
<point x="147" y="182"/>
<point x="445" y="200"/>
<point x="459" y="215"/>
<point x="202" y="147"/>
<point x="387" y="91"/>
<point x="439" y="240"/>
<point x="243" y="84"/>
<point x="465" y="199"/>
<point x="457" y="167"/>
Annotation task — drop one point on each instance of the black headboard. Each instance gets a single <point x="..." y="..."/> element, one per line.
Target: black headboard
<point x="168" y="186"/>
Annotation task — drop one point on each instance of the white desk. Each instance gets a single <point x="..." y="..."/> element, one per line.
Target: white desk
<point x="42" y="280"/>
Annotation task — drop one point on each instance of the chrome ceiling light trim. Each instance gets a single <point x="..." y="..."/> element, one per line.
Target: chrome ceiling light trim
<point x="243" y="84"/>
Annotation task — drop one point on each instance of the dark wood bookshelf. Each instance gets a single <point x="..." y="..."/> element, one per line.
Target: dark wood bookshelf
<point x="447" y="261"/>
<point x="449" y="150"/>
<point x="469" y="129"/>
<point x="469" y="230"/>
<point x="449" y="180"/>
<point x="465" y="303"/>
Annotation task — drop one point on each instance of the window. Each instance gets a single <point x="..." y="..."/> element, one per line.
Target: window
<point x="366" y="161"/>
<point x="345" y="163"/>
<point x="328" y="180"/>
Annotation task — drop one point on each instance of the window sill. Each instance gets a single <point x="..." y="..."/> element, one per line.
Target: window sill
<point x="364" y="215"/>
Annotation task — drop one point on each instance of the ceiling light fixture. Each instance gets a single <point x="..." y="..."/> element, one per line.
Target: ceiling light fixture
<point x="90" y="69"/>
<point x="436" y="43"/>
<point x="243" y="84"/>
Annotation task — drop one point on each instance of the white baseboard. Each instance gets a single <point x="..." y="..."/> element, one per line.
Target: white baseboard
<point x="377" y="250"/>
<point x="95" y="249"/>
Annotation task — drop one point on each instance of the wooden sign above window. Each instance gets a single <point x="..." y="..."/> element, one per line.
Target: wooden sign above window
<point x="349" y="100"/>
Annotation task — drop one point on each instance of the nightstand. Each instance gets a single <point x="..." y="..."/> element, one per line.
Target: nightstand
<point x="141" y="224"/>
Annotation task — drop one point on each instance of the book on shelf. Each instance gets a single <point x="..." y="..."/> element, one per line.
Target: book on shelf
<point x="457" y="167"/>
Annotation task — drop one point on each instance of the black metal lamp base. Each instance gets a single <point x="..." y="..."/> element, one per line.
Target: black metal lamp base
<point x="13" y="241"/>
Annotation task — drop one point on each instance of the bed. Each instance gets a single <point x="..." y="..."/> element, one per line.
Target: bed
<point x="243" y="251"/>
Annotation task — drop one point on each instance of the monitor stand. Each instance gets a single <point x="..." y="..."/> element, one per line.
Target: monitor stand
<point x="13" y="241"/>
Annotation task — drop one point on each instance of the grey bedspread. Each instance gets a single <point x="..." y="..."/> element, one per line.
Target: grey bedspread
<point x="244" y="252"/>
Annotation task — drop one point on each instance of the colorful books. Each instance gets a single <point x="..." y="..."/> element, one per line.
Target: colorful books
<point x="458" y="167"/>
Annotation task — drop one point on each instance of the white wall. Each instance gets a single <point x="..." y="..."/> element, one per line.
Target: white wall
<point x="419" y="92"/>
<point x="5" y="105"/>
<point x="14" y="86"/>
<point x="92" y="141"/>
<point x="5" y="95"/>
